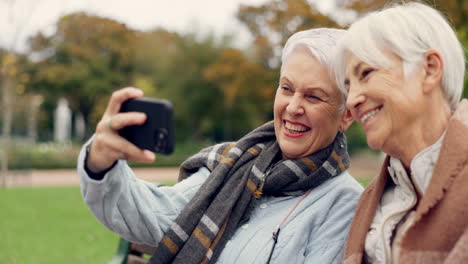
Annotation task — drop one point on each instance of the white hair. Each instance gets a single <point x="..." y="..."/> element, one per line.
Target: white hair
<point x="321" y="42"/>
<point x="408" y="31"/>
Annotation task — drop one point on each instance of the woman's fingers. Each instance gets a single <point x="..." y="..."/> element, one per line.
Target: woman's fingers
<point x="121" y="120"/>
<point x="109" y="147"/>
<point x="120" y="96"/>
<point x="123" y="149"/>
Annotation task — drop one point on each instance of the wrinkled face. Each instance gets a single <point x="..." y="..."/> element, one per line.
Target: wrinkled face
<point x="383" y="102"/>
<point x="307" y="112"/>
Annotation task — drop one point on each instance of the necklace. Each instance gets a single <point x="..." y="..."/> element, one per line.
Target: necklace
<point x="278" y="228"/>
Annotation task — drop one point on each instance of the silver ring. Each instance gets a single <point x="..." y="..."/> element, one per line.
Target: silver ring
<point x="109" y="125"/>
<point x="122" y="156"/>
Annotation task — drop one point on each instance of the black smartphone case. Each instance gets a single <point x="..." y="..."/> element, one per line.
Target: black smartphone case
<point x="157" y="133"/>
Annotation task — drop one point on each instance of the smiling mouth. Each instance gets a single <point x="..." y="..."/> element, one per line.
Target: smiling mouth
<point x="370" y="115"/>
<point x="295" y="128"/>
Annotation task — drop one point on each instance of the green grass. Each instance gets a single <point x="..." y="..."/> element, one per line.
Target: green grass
<point x="364" y="181"/>
<point x="51" y="225"/>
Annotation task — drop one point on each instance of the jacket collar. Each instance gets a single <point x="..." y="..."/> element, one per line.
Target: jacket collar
<point x="365" y="212"/>
<point x="450" y="161"/>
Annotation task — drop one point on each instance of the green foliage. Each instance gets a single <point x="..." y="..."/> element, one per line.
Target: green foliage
<point x="24" y="156"/>
<point x="51" y="225"/>
<point x="274" y="21"/>
<point x="181" y="153"/>
<point x="356" y="138"/>
<point x="463" y="36"/>
<point x="244" y="88"/>
<point x="43" y="156"/>
<point x="87" y="58"/>
<point x="195" y="99"/>
<point x="219" y="92"/>
<point x="364" y="181"/>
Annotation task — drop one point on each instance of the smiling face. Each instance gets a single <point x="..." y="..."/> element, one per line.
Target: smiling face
<point x="390" y="108"/>
<point x="307" y="112"/>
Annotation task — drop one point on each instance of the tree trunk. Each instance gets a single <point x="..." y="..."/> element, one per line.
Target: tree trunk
<point x="35" y="102"/>
<point x="7" y="117"/>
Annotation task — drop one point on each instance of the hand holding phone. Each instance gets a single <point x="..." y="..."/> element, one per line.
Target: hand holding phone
<point x="157" y="133"/>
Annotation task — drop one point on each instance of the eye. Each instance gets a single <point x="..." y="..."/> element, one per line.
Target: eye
<point x="365" y="73"/>
<point x="285" y="88"/>
<point x="313" y="97"/>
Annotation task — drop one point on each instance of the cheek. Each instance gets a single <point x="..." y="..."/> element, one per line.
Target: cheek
<point x="279" y="104"/>
<point x="328" y="118"/>
<point x="328" y="112"/>
<point x="387" y="85"/>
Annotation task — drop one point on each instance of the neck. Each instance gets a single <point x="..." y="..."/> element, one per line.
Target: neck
<point x="421" y="134"/>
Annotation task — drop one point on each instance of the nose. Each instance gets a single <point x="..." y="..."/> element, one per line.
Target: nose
<point x="355" y="98"/>
<point x="295" y="105"/>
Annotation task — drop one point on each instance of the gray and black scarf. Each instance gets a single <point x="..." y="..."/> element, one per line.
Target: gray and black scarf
<point x="240" y="173"/>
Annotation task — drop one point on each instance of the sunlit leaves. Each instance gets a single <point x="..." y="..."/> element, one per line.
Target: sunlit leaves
<point x="273" y="22"/>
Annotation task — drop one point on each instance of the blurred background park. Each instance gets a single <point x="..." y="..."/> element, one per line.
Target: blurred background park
<point x="217" y="61"/>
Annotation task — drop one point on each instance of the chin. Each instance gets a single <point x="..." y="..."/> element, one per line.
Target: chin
<point x="290" y="153"/>
<point x="374" y="144"/>
<point x="290" y="156"/>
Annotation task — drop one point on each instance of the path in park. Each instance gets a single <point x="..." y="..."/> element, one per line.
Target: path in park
<point x="362" y="167"/>
<point x="70" y="177"/>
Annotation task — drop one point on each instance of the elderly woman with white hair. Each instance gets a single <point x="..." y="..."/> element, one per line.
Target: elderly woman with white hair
<point x="403" y="69"/>
<point x="281" y="194"/>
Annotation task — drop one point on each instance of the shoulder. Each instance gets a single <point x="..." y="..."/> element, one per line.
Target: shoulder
<point x="455" y="145"/>
<point x="461" y="114"/>
<point x="342" y="189"/>
<point x="347" y="191"/>
<point x="345" y="183"/>
<point x="190" y="185"/>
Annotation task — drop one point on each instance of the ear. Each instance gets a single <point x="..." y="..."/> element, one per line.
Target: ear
<point x="346" y="120"/>
<point x="434" y="68"/>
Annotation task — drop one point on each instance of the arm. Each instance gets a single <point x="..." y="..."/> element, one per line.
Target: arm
<point x="138" y="211"/>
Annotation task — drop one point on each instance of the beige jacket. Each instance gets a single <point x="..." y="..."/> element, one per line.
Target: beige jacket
<point x="439" y="232"/>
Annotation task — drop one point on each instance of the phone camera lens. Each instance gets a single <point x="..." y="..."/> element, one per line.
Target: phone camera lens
<point x="160" y="140"/>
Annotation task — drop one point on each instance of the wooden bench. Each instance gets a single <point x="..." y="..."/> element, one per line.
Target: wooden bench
<point x="131" y="253"/>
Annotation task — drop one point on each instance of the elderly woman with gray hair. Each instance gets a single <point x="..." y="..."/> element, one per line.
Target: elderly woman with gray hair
<point x="403" y="70"/>
<point x="281" y="194"/>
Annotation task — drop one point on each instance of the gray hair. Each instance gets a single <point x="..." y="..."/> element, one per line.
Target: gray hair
<point x="408" y="31"/>
<point x="321" y="43"/>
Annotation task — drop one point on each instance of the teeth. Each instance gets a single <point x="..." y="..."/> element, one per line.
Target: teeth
<point x="295" y="128"/>
<point x="369" y="115"/>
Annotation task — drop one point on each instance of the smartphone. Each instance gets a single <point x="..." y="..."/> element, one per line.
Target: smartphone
<point x="157" y="133"/>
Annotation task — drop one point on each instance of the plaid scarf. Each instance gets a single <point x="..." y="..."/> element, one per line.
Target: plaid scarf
<point x="240" y="173"/>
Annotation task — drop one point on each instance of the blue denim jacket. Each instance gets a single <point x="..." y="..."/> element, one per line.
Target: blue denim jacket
<point x="141" y="212"/>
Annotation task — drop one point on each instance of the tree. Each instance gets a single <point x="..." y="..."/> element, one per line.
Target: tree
<point x="9" y="72"/>
<point x="7" y="75"/>
<point x="273" y="22"/>
<point x="217" y="92"/>
<point x="196" y="99"/>
<point x="245" y="87"/>
<point x="86" y="59"/>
